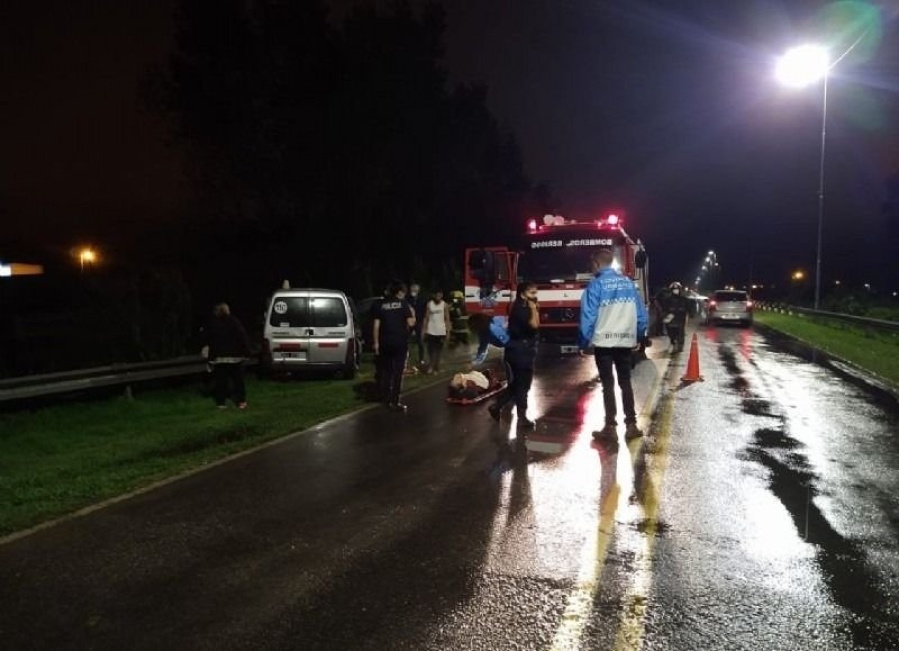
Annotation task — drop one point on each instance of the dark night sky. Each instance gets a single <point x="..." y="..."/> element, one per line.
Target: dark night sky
<point x="665" y="109"/>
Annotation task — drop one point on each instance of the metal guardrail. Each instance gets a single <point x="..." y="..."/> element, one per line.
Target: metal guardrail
<point x="125" y="375"/>
<point x="122" y="375"/>
<point x="880" y="324"/>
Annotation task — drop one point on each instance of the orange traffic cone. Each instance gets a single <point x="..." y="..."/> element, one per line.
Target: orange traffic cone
<point x="693" y="363"/>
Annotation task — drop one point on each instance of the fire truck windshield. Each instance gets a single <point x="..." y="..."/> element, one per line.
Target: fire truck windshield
<point x="543" y="264"/>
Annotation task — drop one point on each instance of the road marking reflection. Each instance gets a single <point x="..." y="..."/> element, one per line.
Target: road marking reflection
<point x="632" y="620"/>
<point x="617" y="469"/>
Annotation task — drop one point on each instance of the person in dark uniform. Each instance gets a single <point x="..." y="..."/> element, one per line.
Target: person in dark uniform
<point x="226" y="347"/>
<point x="676" y="308"/>
<point x="393" y="322"/>
<point x="520" y="354"/>
<point x="419" y="303"/>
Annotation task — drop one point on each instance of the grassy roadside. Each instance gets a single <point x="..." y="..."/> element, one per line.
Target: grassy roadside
<point x="62" y="458"/>
<point x="873" y="351"/>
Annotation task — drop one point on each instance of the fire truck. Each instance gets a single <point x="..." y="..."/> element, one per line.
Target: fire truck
<point x="555" y="254"/>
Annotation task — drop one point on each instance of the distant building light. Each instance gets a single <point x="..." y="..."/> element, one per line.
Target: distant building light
<point x="21" y="269"/>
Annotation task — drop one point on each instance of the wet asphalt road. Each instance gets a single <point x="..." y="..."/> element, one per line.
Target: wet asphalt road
<point x="759" y="512"/>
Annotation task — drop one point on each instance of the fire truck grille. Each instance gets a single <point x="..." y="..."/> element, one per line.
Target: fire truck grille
<point x="559" y="315"/>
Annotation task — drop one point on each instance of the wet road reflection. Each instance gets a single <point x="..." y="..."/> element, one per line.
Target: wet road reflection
<point x="758" y="512"/>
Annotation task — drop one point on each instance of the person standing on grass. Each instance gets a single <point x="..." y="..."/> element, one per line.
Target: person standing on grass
<point x="435" y="329"/>
<point x="227" y="347"/>
<point x="393" y="322"/>
<point x="613" y="322"/>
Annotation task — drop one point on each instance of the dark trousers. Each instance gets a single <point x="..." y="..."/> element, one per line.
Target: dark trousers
<point x="419" y="344"/>
<point x="520" y="376"/>
<point x="435" y="350"/>
<point x="224" y="375"/>
<point x="392" y="362"/>
<point x="676" y="334"/>
<point x="616" y="362"/>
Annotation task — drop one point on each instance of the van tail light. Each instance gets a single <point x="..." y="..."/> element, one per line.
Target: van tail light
<point x="748" y="305"/>
<point x="712" y="305"/>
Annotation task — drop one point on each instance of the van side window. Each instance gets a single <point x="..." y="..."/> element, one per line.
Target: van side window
<point x="328" y="313"/>
<point x="290" y="312"/>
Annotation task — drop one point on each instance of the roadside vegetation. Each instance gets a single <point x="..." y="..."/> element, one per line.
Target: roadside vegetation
<point x="59" y="459"/>
<point x="873" y="350"/>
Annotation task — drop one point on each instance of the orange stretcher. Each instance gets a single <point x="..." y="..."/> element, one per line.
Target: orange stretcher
<point x="481" y="397"/>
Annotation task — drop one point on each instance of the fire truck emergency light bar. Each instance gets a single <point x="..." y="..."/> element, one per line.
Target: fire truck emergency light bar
<point x="611" y="219"/>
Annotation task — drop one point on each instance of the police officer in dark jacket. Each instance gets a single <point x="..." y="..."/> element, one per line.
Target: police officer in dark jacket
<point x="393" y="322"/>
<point x="520" y="354"/>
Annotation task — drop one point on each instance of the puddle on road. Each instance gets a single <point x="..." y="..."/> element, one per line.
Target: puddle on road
<point x="880" y="393"/>
<point x="842" y="561"/>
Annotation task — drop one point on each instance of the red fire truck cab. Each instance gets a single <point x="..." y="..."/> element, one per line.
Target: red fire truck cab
<point x="555" y="254"/>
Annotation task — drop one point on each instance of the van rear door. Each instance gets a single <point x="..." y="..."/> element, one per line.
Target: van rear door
<point x="330" y="329"/>
<point x="290" y="327"/>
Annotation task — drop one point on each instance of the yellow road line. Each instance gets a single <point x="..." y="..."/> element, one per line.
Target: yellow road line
<point x="593" y="559"/>
<point x="632" y="620"/>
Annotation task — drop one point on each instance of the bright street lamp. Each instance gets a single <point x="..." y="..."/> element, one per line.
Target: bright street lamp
<point x="798" y="67"/>
<point x="802" y="66"/>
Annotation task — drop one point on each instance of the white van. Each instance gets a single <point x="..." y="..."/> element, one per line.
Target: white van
<point x="308" y="329"/>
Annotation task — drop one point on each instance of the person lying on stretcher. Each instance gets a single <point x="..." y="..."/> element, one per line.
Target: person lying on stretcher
<point x="472" y="384"/>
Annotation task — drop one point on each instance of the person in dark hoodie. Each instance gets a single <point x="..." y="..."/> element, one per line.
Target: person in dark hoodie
<point x="227" y="347"/>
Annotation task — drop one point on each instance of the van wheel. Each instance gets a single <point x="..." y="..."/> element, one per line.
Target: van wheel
<point x="349" y="371"/>
<point x="351" y="365"/>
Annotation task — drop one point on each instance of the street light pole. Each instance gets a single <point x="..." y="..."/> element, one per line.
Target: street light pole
<point x="821" y="191"/>
<point x="801" y="66"/>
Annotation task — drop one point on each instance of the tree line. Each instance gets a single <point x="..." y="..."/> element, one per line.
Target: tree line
<point x="333" y="154"/>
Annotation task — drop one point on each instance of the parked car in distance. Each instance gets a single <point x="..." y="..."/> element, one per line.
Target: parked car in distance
<point x="310" y="329"/>
<point x="730" y="306"/>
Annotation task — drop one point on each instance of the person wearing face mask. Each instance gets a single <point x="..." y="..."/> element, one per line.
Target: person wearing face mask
<point x="676" y="308"/>
<point x="519" y="355"/>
